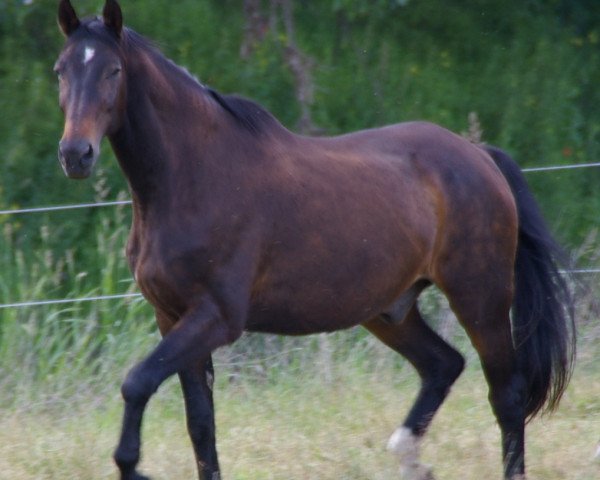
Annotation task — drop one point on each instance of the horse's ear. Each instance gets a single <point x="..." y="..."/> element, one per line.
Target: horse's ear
<point x="67" y="18"/>
<point x="113" y="17"/>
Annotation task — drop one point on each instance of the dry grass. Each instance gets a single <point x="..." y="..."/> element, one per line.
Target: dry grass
<point x="300" y="428"/>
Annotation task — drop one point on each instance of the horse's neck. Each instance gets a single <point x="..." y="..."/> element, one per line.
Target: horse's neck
<point x="151" y="144"/>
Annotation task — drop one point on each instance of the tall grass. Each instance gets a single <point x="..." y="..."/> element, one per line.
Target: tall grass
<point x="57" y="348"/>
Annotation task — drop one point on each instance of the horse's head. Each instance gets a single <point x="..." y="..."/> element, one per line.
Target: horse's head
<point x="91" y="77"/>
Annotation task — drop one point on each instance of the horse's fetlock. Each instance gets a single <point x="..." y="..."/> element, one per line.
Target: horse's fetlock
<point x="126" y="460"/>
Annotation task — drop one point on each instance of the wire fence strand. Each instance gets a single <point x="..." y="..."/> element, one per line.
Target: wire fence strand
<point x="65" y="207"/>
<point x="560" y="167"/>
<point x="62" y="301"/>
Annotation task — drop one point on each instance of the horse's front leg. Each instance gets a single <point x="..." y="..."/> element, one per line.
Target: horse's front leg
<point x="197" y="384"/>
<point x="191" y="340"/>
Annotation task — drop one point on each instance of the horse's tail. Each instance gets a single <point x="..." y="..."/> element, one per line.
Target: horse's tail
<point x="543" y="323"/>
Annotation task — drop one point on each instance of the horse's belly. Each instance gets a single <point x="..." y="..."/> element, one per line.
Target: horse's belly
<point x="310" y="291"/>
<point x="283" y="320"/>
<point x="323" y="304"/>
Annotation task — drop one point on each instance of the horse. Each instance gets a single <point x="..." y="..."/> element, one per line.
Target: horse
<point x="240" y="225"/>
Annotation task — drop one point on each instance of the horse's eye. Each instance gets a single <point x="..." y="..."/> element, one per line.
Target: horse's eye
<point x="114" y="72"/>
<point x="58" y="73"/>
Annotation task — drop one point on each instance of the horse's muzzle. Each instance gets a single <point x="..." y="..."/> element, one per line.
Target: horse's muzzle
<point x="77" y="158"/>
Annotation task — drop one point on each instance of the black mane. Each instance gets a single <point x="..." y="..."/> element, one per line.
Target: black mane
<point x="249" y="114"/>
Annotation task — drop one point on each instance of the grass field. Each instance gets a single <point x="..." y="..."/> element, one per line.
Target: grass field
<point x="299" y="425"/>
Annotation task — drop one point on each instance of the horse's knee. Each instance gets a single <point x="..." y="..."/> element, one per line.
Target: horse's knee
<point x="138" y="386"/>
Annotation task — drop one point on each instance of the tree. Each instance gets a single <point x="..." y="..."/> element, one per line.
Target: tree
<point x="257" y="25"/>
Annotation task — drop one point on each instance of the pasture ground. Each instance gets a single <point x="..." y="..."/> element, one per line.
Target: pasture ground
<point x="300" y="426"/>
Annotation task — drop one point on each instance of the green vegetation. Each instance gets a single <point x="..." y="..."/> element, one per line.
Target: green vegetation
<point x="319" y="407"/>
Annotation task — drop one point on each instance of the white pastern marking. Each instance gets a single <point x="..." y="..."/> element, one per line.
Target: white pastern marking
<point x="88" y="55"/>
<point x="406" y="445"/>
<point x="403" y="441"/>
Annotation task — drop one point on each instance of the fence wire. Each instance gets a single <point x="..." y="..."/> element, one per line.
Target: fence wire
<point x="62" y="301"/>
<point x="560" y="167"/>
<point x="64" y="207"/>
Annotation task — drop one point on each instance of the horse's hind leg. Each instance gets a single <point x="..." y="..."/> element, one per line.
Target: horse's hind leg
<point x="197" y="383"/>
<point x="482" y="308"/>
<point x="438" y="365"/>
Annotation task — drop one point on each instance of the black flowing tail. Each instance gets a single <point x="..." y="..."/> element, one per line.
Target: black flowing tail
<point x="543" y="309"/>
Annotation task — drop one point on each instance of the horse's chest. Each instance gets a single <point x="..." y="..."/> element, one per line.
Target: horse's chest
<point x="156" y="285"/>
<point x="166" y="282"/>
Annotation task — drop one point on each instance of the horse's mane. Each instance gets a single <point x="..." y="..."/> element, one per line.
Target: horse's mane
<point x="247" y="113"/>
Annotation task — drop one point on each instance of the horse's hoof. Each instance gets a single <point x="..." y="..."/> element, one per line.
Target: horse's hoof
<point x="405" y="445"/>
<point x="134" y="476"/>
<point x="140" y="477"/>
<point x="416" y="472"/>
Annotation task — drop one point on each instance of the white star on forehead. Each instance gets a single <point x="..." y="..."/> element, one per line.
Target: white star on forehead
<point x="88" y="55"/>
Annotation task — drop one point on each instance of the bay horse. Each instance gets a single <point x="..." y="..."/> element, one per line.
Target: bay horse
<point x="241" y="225"/>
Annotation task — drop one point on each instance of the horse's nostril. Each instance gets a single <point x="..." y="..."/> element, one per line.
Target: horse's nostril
<point x="87" y="159"/>
<point x="76" y="157"/>
<point x="75" y="150"/>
